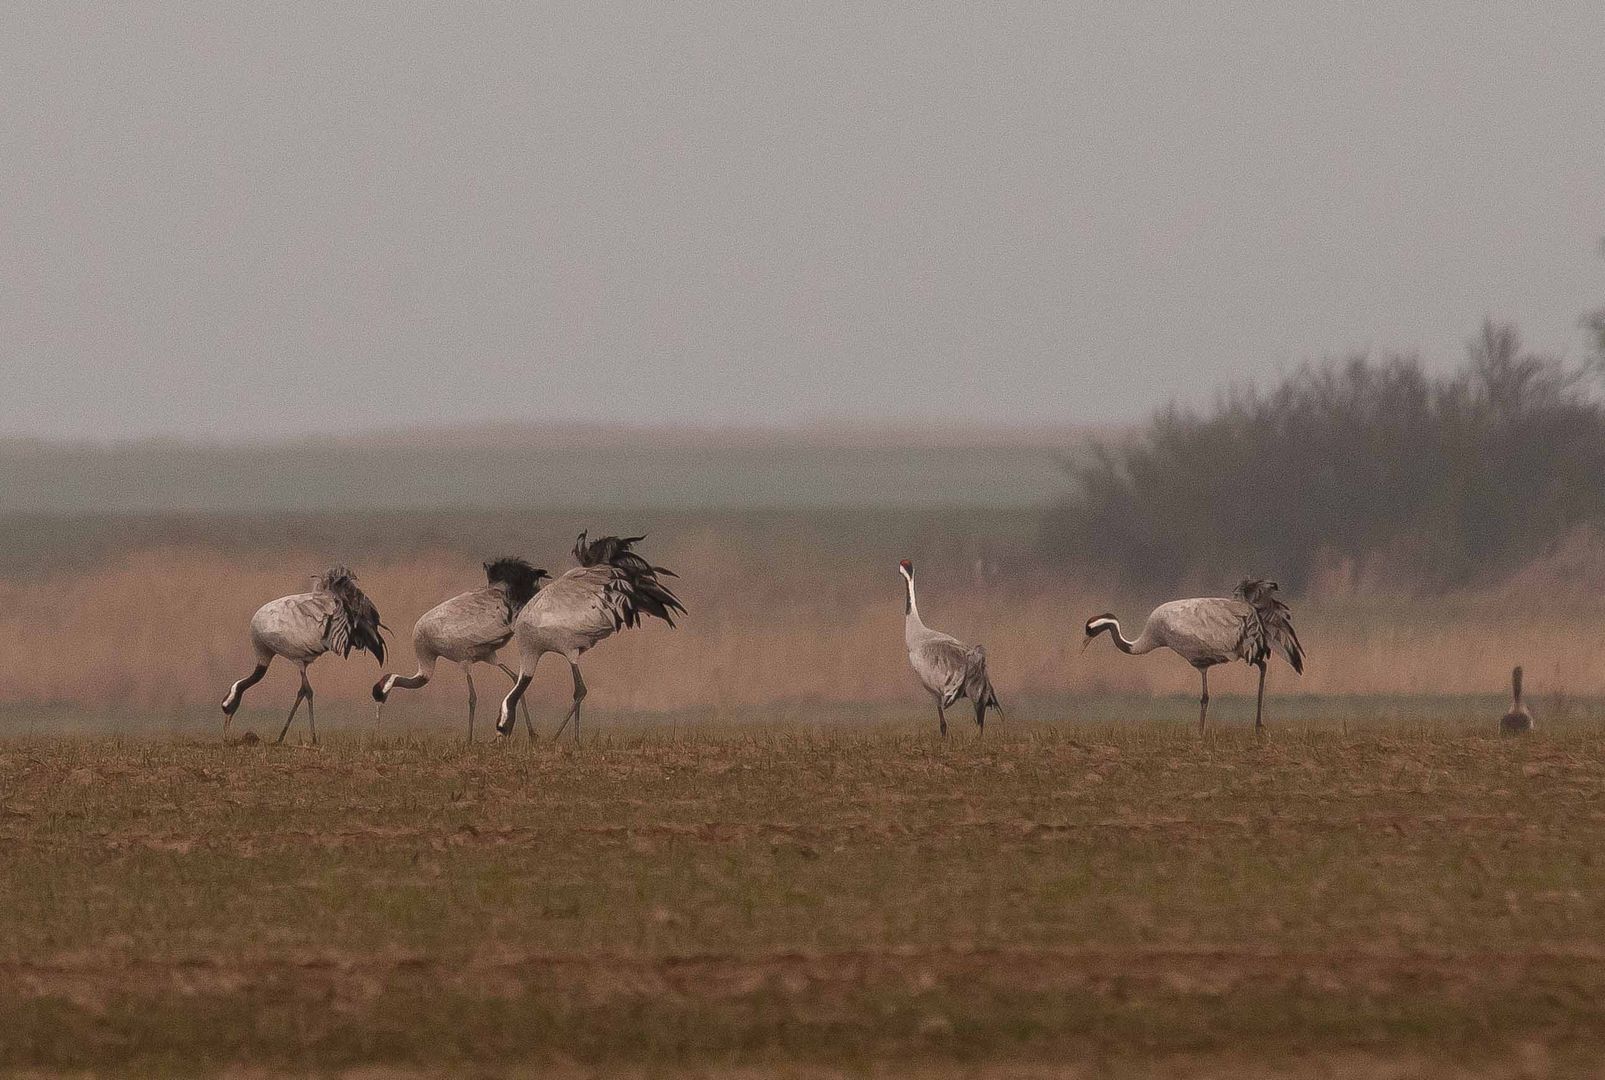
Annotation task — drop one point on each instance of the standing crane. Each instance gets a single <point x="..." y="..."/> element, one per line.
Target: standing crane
<point x="334" y="617"/>
<point x="946" y="666"/>
<point x="1249" y="625"/>
<point x="610" y="590"/>
<point x="1518" y="720"/>
<point x="468" y="629"/>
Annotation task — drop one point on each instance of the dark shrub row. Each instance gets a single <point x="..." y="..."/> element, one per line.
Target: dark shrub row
<point x="1445" y="478"/>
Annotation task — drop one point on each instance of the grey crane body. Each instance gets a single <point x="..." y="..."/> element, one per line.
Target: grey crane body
<point x="1518" y="721"/>
<point x="944" y="665"/>
<point x="1210" y="630"/>
<point x="612" y="589"/>
<point x="469" y="629"/>
<point x="335" y="616"/>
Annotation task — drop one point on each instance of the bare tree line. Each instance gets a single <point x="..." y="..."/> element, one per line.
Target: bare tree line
<point x="1444" y="479"/>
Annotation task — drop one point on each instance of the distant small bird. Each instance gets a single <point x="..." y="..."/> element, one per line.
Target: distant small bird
<point x="334" y="617"/>
<point x="1518" y="720"/>
<point x="610" y="590"/>
<point x="1212" y="630"/>
<point x="946" y="666"/>
<point x="468" y="629"/>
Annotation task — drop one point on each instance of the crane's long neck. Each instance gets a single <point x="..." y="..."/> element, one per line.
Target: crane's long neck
<point x="1111" y="626"/>
<point x="911" y="609"/>
<point x="426" y="671"/>
<point x="1515" y="688"/>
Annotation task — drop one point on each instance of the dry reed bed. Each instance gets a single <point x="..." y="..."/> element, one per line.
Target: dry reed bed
<point x="164" y="630"/>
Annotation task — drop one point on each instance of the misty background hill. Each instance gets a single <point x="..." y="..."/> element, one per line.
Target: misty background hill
<point x="520" y="468"/>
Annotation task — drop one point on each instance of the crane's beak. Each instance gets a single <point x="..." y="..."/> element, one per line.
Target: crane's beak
<point x="1085" y="642"/>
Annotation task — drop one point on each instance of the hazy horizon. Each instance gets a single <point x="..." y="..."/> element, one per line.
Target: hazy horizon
<point x="239" y="222"/>
<point x="781" y="434"/>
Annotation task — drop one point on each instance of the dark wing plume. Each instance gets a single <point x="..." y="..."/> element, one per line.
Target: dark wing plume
<point x="1275" y="619"/>
<point x="519" y="580"/>
<point x="367" y="631"/>
<point x="363" y="630"/>
<point x="613" y="551"/>
<point x="978" y="684"/>
<point x="637" y="586"/>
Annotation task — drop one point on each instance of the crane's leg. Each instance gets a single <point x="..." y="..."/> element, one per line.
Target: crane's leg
<point x="574" y="710"/>
<point x="529" y="725"/>
<point x="1259" y="702"/>
<point x="941" y="716"/>
<point x="299" y="694"/>
<point x="285" y="730"/>
<point x="1203" y="699"/>
<point x="473" y="698"/>
<point x="312" y="720"/>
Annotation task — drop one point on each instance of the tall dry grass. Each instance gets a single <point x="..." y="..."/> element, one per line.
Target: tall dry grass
<point x="774" y="617"/>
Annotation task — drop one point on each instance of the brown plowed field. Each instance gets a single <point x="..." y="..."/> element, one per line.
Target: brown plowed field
<point x="1053" y="900"/>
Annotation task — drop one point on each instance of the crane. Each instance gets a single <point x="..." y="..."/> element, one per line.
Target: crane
<point x="1204" y="631"/>
<point x="335" y="616"/>
<point x="946" y="666"/>
<point x="469" y="629"/>
<point x="611" y="589"/>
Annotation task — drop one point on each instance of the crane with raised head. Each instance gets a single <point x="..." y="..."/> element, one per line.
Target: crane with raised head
<point x="945" y="666"/>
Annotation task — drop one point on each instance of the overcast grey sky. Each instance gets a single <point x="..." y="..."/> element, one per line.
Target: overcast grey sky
<point x="258" y="218"/>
